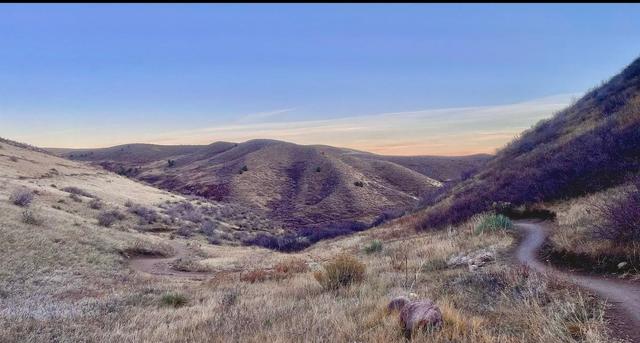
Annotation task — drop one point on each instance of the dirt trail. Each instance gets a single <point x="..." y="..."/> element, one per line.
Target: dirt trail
<point x="162" y="265"/>
<point x="623" y="295"/>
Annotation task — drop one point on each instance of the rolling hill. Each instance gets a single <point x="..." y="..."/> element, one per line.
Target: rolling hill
<point x="293" y="185"/>
<point x="590" y="146"/>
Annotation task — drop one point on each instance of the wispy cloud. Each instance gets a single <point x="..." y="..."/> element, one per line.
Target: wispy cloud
<point x="262" y="116"/>
<point x="449" y="131"/>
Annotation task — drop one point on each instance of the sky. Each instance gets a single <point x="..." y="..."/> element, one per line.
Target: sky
<point x="405" y="79"/>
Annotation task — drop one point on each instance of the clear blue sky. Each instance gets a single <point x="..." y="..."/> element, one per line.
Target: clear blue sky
<point x="91" y="75"/>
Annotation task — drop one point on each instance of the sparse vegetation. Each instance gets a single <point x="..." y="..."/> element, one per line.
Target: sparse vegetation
<point x="578" y="151"/>
<point x="490" y="222"/>
<point x="145" y="215"/>
<point x="78" y="191"/>
<point x="28" y="217"/>
<point x="96" y="204"/>
<point x="343" y="271"/>
<point x="619" y="218"/>
<point x="174" y="299"/>
<point x="21" y="197"/>
<point x="107" y="218"/>
<point x="373" y="247"/>
<point x="75" y="197"/>
<point x="184" y="231"/>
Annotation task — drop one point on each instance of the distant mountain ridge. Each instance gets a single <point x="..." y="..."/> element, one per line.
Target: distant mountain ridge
<point x="295" y="185"/>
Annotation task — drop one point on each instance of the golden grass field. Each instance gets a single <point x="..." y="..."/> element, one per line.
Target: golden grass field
<point x="67" y="279"/>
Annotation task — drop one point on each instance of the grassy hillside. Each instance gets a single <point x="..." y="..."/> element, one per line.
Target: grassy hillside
<point x="66" y="277"/>
<point x="592" y="145"/>
<point x="295" y="186"/>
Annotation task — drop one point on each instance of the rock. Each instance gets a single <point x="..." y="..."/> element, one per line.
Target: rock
<point x="484" y="257"/>
<point x="473" y="267"/>
<point x="458" y="260"/>
<point x="397" y="303"/>
<point x="420" y="315"/>
<point x="477" y="259"/>
<point x="622" y="265"/>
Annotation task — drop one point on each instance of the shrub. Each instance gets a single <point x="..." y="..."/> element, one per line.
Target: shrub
<point x="374" y="246"/>
<point x="492" y="222"/>
<point x="78" y="191"/>
<point x="173" y="299"/>
<point x="230" y="296"/>
<point x="358" y="184"/>
<point x="184" y="231"/>
<point x="95" y="204"/>
<point x="171" y="163"/>
<point x="75" y="197"/>
<point x="343" y="271"/>
<point x="29" y="217"/>
<point x="291" y="266"/>
<point x="107" y="218"/>
<point x="619" y="219"/>
<point x="318" y="169"/>
<point x="21" y="197"/>
<point x="256" y="275"/>
<point x="145" y="214"/>
<point x="208" y="228"/>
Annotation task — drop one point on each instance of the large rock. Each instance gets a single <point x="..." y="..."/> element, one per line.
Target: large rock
<point x="397" y="303"/>
<point x="473" y="260"/>
<point x="420" y="315"/>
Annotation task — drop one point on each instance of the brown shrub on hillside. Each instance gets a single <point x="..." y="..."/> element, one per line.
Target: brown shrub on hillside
<point x="619" y="218"/>
<point x="21" y="197"/>
<point x="343" y="271"/>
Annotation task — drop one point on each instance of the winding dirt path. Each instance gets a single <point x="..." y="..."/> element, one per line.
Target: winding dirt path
<point x="623" y="295"/>
<point x="162" y="265"/>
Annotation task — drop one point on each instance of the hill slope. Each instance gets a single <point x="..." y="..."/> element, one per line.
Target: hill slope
<point x="293" y="185"/>
<point x="592" y="145"/>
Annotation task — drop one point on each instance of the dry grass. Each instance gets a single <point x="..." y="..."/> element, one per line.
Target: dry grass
<point x="68" y="280"/>
<point x="574" y="242"/>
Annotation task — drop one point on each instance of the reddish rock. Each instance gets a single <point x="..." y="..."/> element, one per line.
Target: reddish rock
<point x="420" y="315"/>
<point x="397" y="303"/>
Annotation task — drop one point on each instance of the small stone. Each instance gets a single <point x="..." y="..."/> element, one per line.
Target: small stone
<point x="622" y="265"/>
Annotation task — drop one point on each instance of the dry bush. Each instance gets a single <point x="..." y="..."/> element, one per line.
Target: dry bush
<point x="28" y="217"/>
<point x="343" y="271"/>
<point x="146" y="248"/>
<point x="107" y="218"/>
<point x="21" y="197"/>
<point x="373" y="247"/>
<point x="256" y="275"/>
<point x="184" y="231"/>
<point x="96" y="204"/>
<point x="619" y="218"/>
<point x="291" y="266"/>
<point x="78" y="191"/>
<point x="145" y="215"/>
